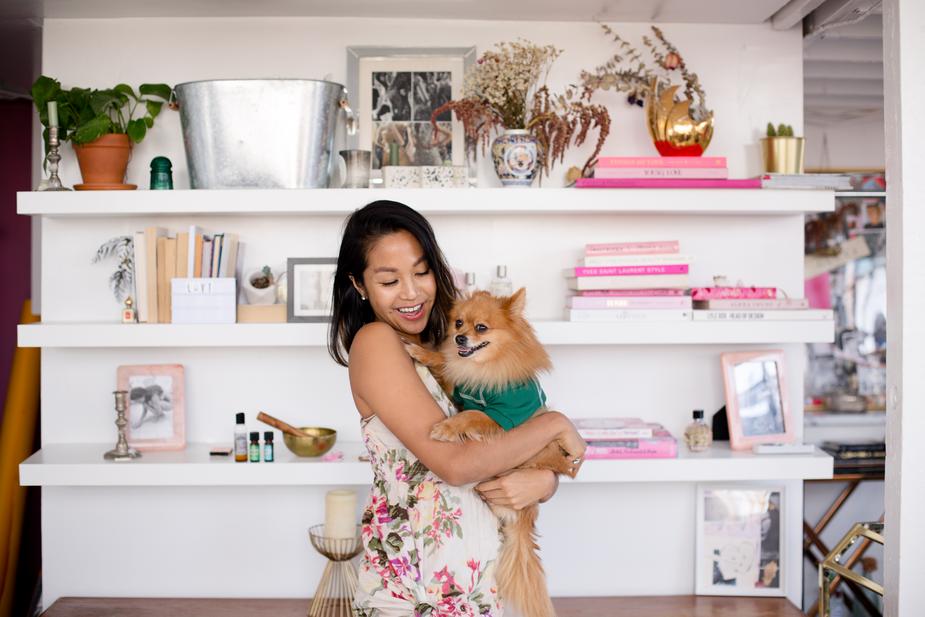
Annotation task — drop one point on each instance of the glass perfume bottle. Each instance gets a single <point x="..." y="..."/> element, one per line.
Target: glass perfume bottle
<point x="501" y="284"/>
<point x="698" y="436"/>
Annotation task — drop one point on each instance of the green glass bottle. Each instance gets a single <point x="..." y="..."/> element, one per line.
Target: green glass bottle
<point x="161" y="174"/>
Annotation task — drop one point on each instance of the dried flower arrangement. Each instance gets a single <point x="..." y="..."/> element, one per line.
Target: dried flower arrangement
<point x="506" y="90"/>
<point x="626" y="71"/>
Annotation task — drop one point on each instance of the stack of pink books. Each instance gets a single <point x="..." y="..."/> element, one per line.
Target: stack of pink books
<point x="625" y="438"/>
<point x="664" y="172"/>
<point x="751" y="304"/>
<point x="628" y="281"/>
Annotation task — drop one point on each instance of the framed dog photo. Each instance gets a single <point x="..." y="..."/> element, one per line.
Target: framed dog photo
<point x="740" y="541"/>
<point x="156" y="400"/>
<point x="757" y="405"/>
<point x="396" y="90"/>
<point x="310" y="287"/>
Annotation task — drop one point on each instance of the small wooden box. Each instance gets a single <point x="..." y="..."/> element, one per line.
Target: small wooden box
<point x="261" y="313"/>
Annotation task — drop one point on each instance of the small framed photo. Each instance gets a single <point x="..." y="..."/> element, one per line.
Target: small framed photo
<point x="756" y="398"/>
<point x="310" y="286"/>
<point x="397" y="89"/>
<point x="156" y="399"/>
<point x="740" y="541"/>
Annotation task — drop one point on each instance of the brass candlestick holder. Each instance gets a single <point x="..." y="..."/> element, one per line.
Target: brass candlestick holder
<point x="122" y="451"/>
<point x="338" y="585"/>
<point x="54" y="182"/>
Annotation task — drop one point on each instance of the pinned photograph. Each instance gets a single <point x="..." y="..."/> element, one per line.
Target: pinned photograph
<point x="156" y="414"/>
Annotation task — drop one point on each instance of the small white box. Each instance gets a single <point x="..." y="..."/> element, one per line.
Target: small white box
<point x="203" y="300"/>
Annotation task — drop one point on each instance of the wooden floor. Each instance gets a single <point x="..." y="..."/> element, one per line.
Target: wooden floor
<point x="643" y="606"/>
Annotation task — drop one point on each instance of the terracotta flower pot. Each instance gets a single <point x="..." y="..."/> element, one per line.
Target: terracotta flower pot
<point x="103" y="162"/>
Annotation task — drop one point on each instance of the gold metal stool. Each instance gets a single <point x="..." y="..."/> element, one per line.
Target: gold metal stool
<point x="833" y="568"/>
<point x="338" y="585"/>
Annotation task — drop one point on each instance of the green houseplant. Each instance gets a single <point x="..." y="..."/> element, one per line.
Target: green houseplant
<point x="101" y="125"/>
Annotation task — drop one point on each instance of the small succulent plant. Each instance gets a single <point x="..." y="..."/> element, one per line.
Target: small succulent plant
<point x="264" y="280"/>
<point x="782" y="130"/>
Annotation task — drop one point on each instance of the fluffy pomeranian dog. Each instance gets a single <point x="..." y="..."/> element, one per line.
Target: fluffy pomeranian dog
<point x="489" y="365"/>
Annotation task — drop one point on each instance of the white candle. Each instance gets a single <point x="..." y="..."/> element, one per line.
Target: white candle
<point x="340" y="507"/>
<point x="52" y="114"/>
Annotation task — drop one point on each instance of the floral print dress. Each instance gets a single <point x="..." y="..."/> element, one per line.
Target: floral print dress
<point x="429" y="548"/>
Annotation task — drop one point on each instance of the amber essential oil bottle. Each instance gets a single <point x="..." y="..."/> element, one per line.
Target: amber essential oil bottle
<point x="240" y="439"/>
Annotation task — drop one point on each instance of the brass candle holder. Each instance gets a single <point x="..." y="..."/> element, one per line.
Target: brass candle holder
<point x="54" y="182"/>
<point x="338" y="585"/>
<point x="122" y="451"/>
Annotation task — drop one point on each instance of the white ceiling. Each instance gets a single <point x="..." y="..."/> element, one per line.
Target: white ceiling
<point x="690" y="11"/>
<point x="843" y="72"/>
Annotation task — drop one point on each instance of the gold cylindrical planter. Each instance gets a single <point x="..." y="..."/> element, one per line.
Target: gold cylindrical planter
<point x="782" y="155"/>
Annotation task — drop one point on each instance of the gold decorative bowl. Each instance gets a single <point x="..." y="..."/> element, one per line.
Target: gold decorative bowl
<point x="674" y="132"/>
<point x="320" y="441"/>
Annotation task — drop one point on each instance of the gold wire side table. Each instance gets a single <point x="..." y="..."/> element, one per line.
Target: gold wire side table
<point x="837" y="564"/>
<point x="338" y="585"/>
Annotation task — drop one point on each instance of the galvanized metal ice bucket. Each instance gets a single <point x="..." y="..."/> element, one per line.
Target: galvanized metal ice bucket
<point x="260" y="133"/>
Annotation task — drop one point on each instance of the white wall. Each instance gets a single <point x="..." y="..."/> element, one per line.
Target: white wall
<point x="642" y="535"/>
<point x="850" y="144"/>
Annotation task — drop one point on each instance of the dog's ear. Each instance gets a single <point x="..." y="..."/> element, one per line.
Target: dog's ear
<point x="517" y="302"/>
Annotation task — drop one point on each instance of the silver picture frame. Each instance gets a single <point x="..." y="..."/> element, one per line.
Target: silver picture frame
<point x="309" y="286"/>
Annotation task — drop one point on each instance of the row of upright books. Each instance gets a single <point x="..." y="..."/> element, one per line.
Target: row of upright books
<point x="696" y="172"/>
<point x="625" y="438"/>
<point x="650" y="281"/>
<point x="161" y="257"/>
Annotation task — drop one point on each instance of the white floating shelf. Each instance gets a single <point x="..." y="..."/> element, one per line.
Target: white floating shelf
<point x="315" y="334"/>
<point x="83" y="465"/>
<point x="341" y="202"/>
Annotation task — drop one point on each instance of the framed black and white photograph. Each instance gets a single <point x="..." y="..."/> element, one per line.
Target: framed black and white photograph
<point x="396" y="90"/>
<point x="740" y="540"/>
<point x="156" y="403"/>
<point x="310" y="287"/>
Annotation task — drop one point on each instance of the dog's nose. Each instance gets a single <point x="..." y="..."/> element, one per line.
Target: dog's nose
<point x="461" y="339"/>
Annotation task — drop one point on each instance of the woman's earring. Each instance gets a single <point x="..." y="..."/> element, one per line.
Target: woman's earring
<point x="363" y="298"/>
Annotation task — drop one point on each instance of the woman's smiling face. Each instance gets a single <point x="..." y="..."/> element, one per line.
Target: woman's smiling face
<point x="399" y="284"/>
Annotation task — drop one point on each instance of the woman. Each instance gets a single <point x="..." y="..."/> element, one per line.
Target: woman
<point x="430" y="541"/>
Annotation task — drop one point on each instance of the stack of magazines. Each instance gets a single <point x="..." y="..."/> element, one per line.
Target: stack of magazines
<point x="625" y="438"/>
<point x="866" y="457"/>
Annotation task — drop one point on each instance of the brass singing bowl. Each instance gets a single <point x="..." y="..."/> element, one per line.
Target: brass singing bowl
<point x="320" y="440"/>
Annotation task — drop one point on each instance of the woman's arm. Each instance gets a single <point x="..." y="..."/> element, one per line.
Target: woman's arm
<point x="382" y="375"/>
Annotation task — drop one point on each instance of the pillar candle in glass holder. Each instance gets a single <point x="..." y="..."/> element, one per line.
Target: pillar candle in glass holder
<point x="340" y="508"/>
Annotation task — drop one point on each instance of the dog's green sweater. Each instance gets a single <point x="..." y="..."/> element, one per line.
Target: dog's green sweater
<point x="509" y="406"/>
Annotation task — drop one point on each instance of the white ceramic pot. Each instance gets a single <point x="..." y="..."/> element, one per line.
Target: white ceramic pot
<point x="258" y="296"/>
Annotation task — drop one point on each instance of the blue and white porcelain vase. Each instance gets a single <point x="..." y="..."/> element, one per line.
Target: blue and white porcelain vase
<point x="516" y="156"/>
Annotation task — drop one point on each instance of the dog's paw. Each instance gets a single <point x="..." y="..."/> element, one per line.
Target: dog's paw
<point x="415" y="351"/>
<point x="444" y="431"/>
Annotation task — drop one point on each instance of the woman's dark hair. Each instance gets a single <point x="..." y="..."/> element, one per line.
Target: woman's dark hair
<point x="364" y="227"/>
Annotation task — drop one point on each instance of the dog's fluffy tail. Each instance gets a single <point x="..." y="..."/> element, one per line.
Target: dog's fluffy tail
<point x="521" y="579"/>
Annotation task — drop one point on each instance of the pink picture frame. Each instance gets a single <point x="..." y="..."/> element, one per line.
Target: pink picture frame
<point x="757" y="405"/>
<point x="156" y="405"/>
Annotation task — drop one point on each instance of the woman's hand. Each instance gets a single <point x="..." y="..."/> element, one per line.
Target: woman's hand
<point x="519" y="488"/>
<point x="570" y="440"/>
